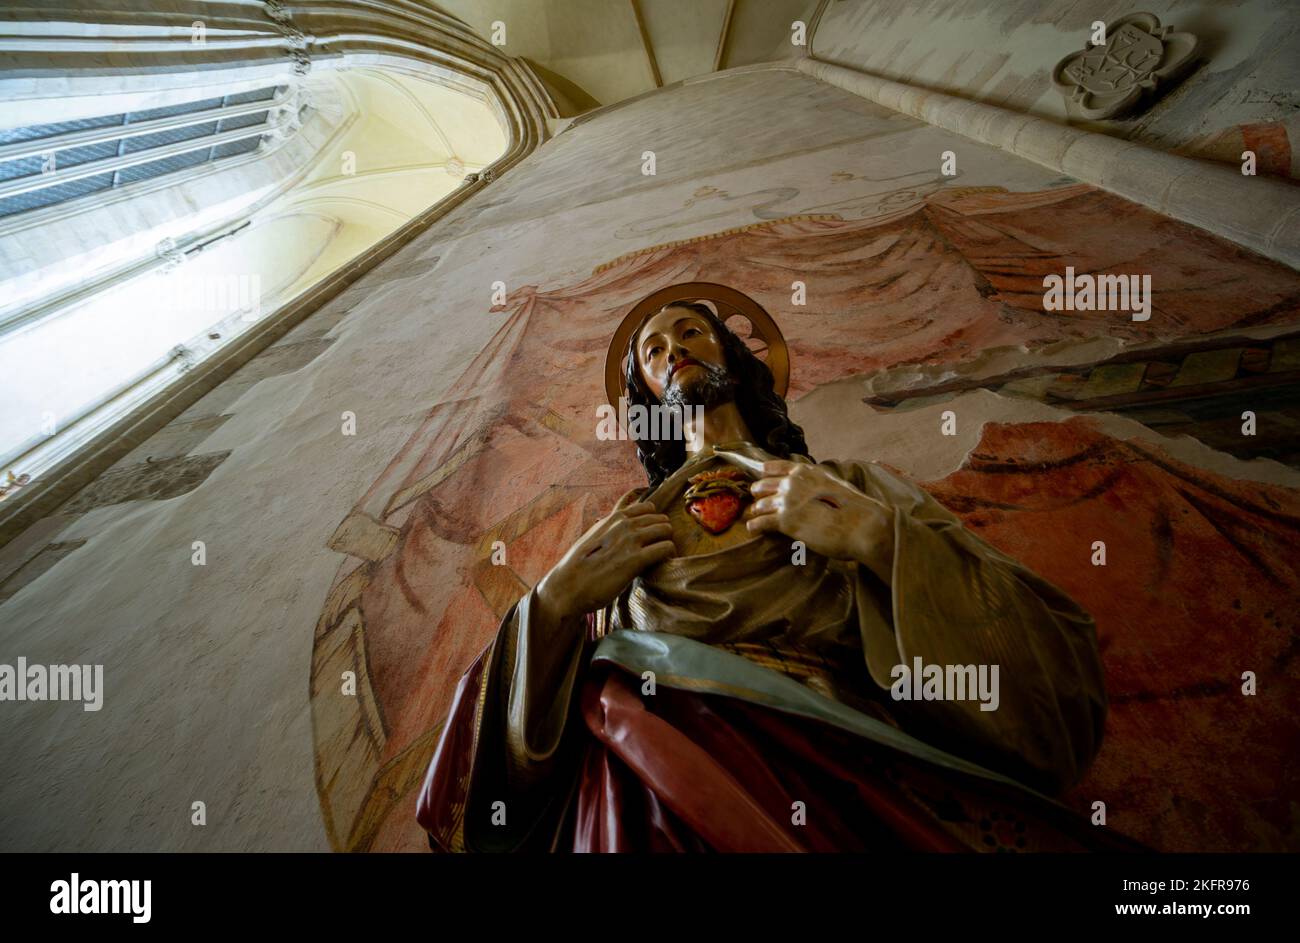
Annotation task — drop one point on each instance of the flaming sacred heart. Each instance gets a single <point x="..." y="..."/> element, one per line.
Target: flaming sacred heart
<point x="716" y="498"/>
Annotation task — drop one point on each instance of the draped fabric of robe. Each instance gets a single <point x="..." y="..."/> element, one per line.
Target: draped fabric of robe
<point x="740" y="700"/>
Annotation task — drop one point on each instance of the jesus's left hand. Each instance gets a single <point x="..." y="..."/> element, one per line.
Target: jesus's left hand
<point x="831" y="517"/>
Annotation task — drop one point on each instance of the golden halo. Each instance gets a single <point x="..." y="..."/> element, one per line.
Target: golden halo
<point x="728" y="301"/>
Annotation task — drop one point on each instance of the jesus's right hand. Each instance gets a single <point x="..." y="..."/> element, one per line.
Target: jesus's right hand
<point x="632" y="538"/>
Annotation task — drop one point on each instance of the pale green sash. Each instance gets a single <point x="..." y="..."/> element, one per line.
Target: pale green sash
<point x="688" y="665"/>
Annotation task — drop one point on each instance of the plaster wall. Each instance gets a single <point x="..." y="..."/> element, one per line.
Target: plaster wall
<point x="1245" y="78"/>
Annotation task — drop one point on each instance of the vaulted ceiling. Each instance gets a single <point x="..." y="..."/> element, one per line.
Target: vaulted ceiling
<point x="599" y="52"/>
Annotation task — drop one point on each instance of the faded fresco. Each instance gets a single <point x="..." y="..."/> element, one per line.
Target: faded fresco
<point x="511" y="455"/>
<point x="1200" y="584"/>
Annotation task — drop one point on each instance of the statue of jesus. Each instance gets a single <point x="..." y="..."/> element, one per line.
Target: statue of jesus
<point x="762" y="652"/>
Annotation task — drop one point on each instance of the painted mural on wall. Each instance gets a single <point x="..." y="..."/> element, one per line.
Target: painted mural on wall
<point x="509" y="458"/>
<point x="1199" y="585"/>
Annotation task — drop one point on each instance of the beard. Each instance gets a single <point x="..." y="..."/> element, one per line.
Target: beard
<point x="711" y="387"/>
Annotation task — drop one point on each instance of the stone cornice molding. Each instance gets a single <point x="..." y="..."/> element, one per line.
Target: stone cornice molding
<point x="1258" y="212"/>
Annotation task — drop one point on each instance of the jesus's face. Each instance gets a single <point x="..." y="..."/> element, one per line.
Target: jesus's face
<point x="682" y="360"/>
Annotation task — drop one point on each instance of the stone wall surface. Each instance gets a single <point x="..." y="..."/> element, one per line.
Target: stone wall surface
<point x="1240" y="92"/>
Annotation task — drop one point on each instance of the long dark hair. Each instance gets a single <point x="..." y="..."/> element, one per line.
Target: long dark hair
<point x="763" y="410"/>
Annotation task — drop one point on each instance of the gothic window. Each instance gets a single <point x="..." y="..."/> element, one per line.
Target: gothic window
<point x="45" y="164"/>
